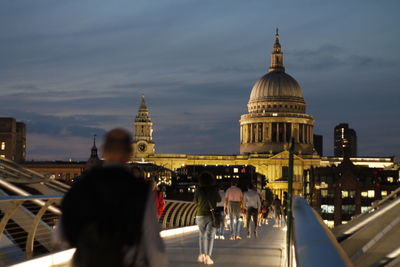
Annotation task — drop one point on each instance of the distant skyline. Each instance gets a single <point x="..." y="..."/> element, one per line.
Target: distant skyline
<point x="71" y="69"/>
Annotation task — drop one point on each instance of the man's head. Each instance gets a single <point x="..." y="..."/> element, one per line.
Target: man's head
<point x="251" y="186"/>
<point x="117" y="147"/>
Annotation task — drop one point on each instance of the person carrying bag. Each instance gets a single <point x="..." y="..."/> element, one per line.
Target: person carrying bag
<point x="206" y="198"/>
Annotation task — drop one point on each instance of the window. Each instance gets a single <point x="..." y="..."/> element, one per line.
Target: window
<point x="364" y="194"/>
<point x="2" y="156"/>
<point x="235" y="170"/>
<point x="324" y="193"/>
<point x="327" y="208"/>
<point x="349" y="209"/>
<point x="371" y="193"/>
<point x="384" y="193"/>
<point x="364" y="209"/>
<point x="345" y="194"/>
<point x="3" y="146"/>
<point x="390" y="179"/>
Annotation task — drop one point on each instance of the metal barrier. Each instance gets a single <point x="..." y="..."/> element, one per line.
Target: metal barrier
<point x="313" y="244"/>
<point x="27" y="223"/>
<point x="178" y="214"/>
<point x="26" y="226"/>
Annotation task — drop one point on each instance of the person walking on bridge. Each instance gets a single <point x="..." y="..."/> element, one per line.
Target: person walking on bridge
<point x="252" y="203"/>
<point x="206" y="198"/>
<point x="277" y="206"/>
<point x="109" y="215"/>
<point x="233" y="204"/>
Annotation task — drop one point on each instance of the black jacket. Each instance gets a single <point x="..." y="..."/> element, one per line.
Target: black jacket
<point x="201" y="196"/>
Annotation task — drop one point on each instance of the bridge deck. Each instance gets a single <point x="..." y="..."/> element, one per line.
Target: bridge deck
<point x="266" y="250"/>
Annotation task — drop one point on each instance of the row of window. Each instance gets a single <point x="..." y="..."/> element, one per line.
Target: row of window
<point x="352" y="193"/>
<point x="280" y="132"/>
<point x="253" y="108"/>
<point x="347" y="209"/>
<point x="219" y="177"/>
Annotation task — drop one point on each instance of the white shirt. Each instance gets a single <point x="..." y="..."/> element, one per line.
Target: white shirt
<point x="252" y="199"/>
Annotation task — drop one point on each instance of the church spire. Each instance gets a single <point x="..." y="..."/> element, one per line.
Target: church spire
<point x="277" y="56"/>
<point x="93" y="153"/>
<point x="143" y="104"/>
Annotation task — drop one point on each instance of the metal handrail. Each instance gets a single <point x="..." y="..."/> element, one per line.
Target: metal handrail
<point x="27" y="222"/>
<point x="178" y="213"/>
<point x="380" y="202"/>
<point x="314" y="243"/>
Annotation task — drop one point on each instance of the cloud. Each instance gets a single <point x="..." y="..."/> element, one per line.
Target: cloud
<point x="331" y="57"/>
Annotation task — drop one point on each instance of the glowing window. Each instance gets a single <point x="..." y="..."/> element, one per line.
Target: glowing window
<point x="2" y="156"/>
<point x="324" y="193"/>
<point x="371" y="193"/>
<point x="327" y="208"/>
<point x="3" y="146"/>
<point x="390" y="179"/>
<point x="345" y="194"/>
<point x="364" y="194"/>
<point x="384" y="193"/>
<point x="364" y="209"/>
<point x="235" y="170"/>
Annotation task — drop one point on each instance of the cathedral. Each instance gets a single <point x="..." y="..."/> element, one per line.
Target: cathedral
<point x="276" y="114"/>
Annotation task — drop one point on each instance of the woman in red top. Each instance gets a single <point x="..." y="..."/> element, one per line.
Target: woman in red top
<point x="158" y="199"/>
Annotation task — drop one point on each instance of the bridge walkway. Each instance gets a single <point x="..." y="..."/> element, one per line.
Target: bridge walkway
<point x="267" y="250"/>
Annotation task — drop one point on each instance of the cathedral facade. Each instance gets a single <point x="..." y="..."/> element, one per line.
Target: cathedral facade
<point x="276" y="114"/>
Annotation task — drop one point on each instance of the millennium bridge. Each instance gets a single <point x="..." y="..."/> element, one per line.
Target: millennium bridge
<point x="29" y="210"/>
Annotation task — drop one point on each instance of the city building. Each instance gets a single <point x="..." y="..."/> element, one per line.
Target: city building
<point x="143" y="144"/>
<point x="64" y="171"/>
<point x="12" y="139"/>
<point x="343" y="191"/>
<point x="276" y="114"/>
<point x="186" y="178"/>
<point x="344" y="136"/>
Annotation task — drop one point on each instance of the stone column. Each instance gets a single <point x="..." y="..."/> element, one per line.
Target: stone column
<point x="265" y="127"/>
<point x="284" y="133"/>
<point x="312" y="134"/>
<point x="277" y="132"/>
<point x="248" y="130"/>
<point x="307" y="134"/>
<point x="270" y="131"/>
<point x="241" y="134"/>
<point x="251" y="133"/>
<point x="256" y="133"/>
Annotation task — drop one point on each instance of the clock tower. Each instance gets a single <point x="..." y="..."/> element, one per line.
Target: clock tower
<point x="143" y="130"/>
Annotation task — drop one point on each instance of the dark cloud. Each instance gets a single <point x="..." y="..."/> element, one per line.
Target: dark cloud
<point x="74" y="68"/>
<point x="332" y="57"/>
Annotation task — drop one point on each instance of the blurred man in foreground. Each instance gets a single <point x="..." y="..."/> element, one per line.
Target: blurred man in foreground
<point x="109" y="215"/>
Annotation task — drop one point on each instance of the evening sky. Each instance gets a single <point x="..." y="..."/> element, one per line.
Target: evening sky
<point x="73" y="68"/>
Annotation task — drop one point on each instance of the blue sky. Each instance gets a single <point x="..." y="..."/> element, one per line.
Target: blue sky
<point x="73" y="68"/>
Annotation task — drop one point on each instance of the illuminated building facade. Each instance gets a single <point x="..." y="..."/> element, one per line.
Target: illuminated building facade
<point x="12" y="139"/>
<point x="276" y="113"/>
<point x="343" y="191"/>
<point x="344" y="137"/>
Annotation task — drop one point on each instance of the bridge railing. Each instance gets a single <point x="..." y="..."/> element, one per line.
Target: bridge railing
<point x="313" y="244"/>
<point x="27" y="224"/>
<point x="178" y="214"/>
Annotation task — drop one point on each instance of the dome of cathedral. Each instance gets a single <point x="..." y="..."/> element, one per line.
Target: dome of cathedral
<point x="276" y="86"/>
